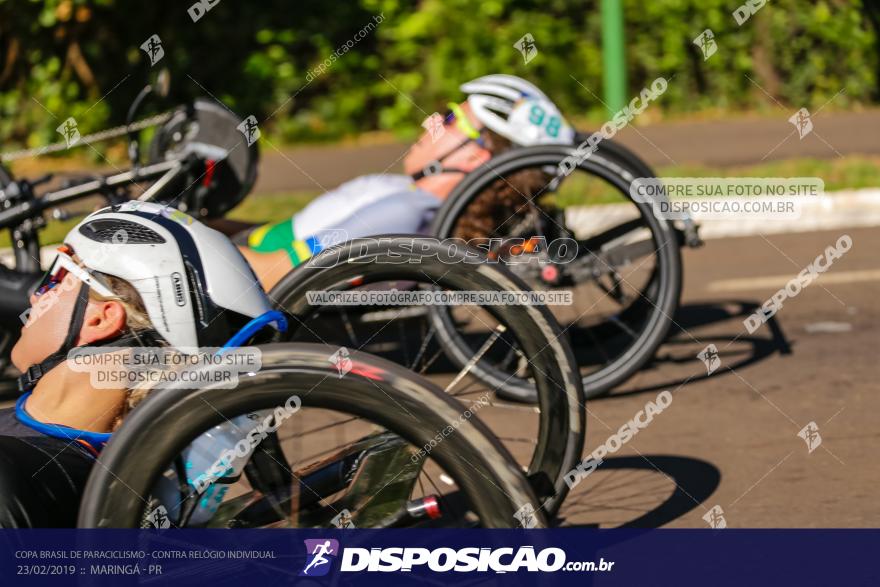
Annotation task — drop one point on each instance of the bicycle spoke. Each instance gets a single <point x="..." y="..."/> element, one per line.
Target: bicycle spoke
<point x="470" y="364"/>
<point x="426" y="340"/>
<point x="401" y="327"/>
<point x="464" y="391"/>
<point x="349" y="328"/>
<point x="431" y="362"/>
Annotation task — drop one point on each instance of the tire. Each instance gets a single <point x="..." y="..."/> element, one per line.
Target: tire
<point x="205" y="122"/>
<point x="557" y="389"/>
<point x="620" y="153"/>
<point x="662" y="293"/>
<point x="376" y="390"/>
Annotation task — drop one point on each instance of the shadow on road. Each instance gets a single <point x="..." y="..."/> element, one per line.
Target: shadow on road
<point x="692" y="316"/>
<point x="736" y="351"/>
<point x="646" y="491"/>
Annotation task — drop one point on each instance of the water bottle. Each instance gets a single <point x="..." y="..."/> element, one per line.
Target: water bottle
<point x="212" y="462"/>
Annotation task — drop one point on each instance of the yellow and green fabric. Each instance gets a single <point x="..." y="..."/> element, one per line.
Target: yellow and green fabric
<point x="280" y="237"/>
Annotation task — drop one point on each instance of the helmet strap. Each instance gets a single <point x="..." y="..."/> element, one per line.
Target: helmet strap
<point x="436" y="167"/>
<point x="34" y="373"/>
<point x="29" y="378"/>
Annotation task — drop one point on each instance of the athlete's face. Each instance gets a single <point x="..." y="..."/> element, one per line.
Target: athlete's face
<point x="448" y="145"/>
<point x="49" y="320"/>
<point x="47" y="323"/>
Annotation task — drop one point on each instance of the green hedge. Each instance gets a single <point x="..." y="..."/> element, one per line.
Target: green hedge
<point x="65" y="55"/>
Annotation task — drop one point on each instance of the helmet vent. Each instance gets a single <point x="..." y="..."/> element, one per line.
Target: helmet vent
<point x="120" y="232"/>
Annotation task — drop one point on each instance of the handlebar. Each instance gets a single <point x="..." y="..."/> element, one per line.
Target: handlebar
<point x="164" y="172"/>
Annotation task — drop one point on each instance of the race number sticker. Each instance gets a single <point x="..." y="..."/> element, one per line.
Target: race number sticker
<point x="541" y="121"/>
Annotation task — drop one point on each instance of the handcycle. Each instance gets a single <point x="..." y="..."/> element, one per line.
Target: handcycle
<point x="560" y="418"/>
<point x="625" y="274"/>
<point x="626" y="271"/>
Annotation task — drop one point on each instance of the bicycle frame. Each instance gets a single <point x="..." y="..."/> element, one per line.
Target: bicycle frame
<point x="24" y="218"/>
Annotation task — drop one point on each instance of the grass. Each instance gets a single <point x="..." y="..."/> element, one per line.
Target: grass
<point x="267" y="207"/>
<point x="842" y="173"/>
<point x="851" y="172"/>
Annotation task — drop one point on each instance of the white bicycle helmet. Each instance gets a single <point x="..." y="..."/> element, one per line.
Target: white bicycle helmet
<point x="518" y="110"/>
<point x="196" y="287"/>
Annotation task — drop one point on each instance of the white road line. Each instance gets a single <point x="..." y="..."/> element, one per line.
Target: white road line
<point x="778" y="281"/>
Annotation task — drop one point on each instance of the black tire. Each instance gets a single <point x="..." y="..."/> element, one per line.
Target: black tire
<point x="661" y="295"/>
<point x="622" y="154"/>
<point x="557" y="388"/>
<point x="378" y="391"/>
<point x="207" y="122"/>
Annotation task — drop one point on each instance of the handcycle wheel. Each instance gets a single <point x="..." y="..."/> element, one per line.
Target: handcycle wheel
<point x="487" y="486"/>
<point x="620" y="153"/>
<point x="210" y="130"/>
<point x="550" y="445"/>
<point x="626" y="277"/>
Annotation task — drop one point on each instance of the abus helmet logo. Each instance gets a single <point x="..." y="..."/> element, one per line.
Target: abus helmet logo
<point x="177" y="280"/>
<point x="320" y="553"/>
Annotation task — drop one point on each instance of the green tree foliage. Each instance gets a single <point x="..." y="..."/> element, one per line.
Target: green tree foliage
<point x="81" y="58"/>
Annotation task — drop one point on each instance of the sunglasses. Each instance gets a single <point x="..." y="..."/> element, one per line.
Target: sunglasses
<point x="455" y="115"/>
<point x="65" y="264"/>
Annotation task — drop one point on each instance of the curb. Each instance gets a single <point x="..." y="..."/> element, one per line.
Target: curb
<point x="848" y="208"/>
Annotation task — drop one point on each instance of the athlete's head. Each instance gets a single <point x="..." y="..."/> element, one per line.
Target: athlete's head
<point x="52" y="306"/>
<point x="500" y="111"/>
<point x="447" y="150"/>
<point x="138" y="274"/>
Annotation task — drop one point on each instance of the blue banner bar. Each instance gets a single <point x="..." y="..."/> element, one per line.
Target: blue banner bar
<point x="247" y="558"/>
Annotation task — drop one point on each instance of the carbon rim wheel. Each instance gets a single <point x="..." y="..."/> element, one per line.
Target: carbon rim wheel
<point x="383" y="394"/>
<point x="555" y="445"/>
<point x="211" y="131"/>
<point x="622" y="337"/>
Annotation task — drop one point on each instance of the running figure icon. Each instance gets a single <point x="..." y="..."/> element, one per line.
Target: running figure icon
<point x="320" y="553"/>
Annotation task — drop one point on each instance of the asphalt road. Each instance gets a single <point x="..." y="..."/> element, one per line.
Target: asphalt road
<point x="731" y="439"/>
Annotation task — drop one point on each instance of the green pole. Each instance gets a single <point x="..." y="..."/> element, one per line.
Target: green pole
<point x="613" y="61"/>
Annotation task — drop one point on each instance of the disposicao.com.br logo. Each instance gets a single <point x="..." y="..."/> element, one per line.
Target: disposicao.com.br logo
<point x="321" y="552"/>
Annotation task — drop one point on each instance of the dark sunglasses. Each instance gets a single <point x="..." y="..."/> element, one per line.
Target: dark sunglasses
<point x="65" y="263"/>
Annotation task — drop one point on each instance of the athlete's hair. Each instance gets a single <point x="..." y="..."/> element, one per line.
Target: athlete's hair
<point x="506" y="201"/>
<point x="136" y="318"/>
<point x="136" y="321"/>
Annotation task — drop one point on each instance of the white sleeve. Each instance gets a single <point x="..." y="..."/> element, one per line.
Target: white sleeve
<point x="346" y="205"/>
<point x="401" y="213"/>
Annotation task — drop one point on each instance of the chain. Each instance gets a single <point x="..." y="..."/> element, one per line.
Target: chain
<point x="110" y="133"/>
